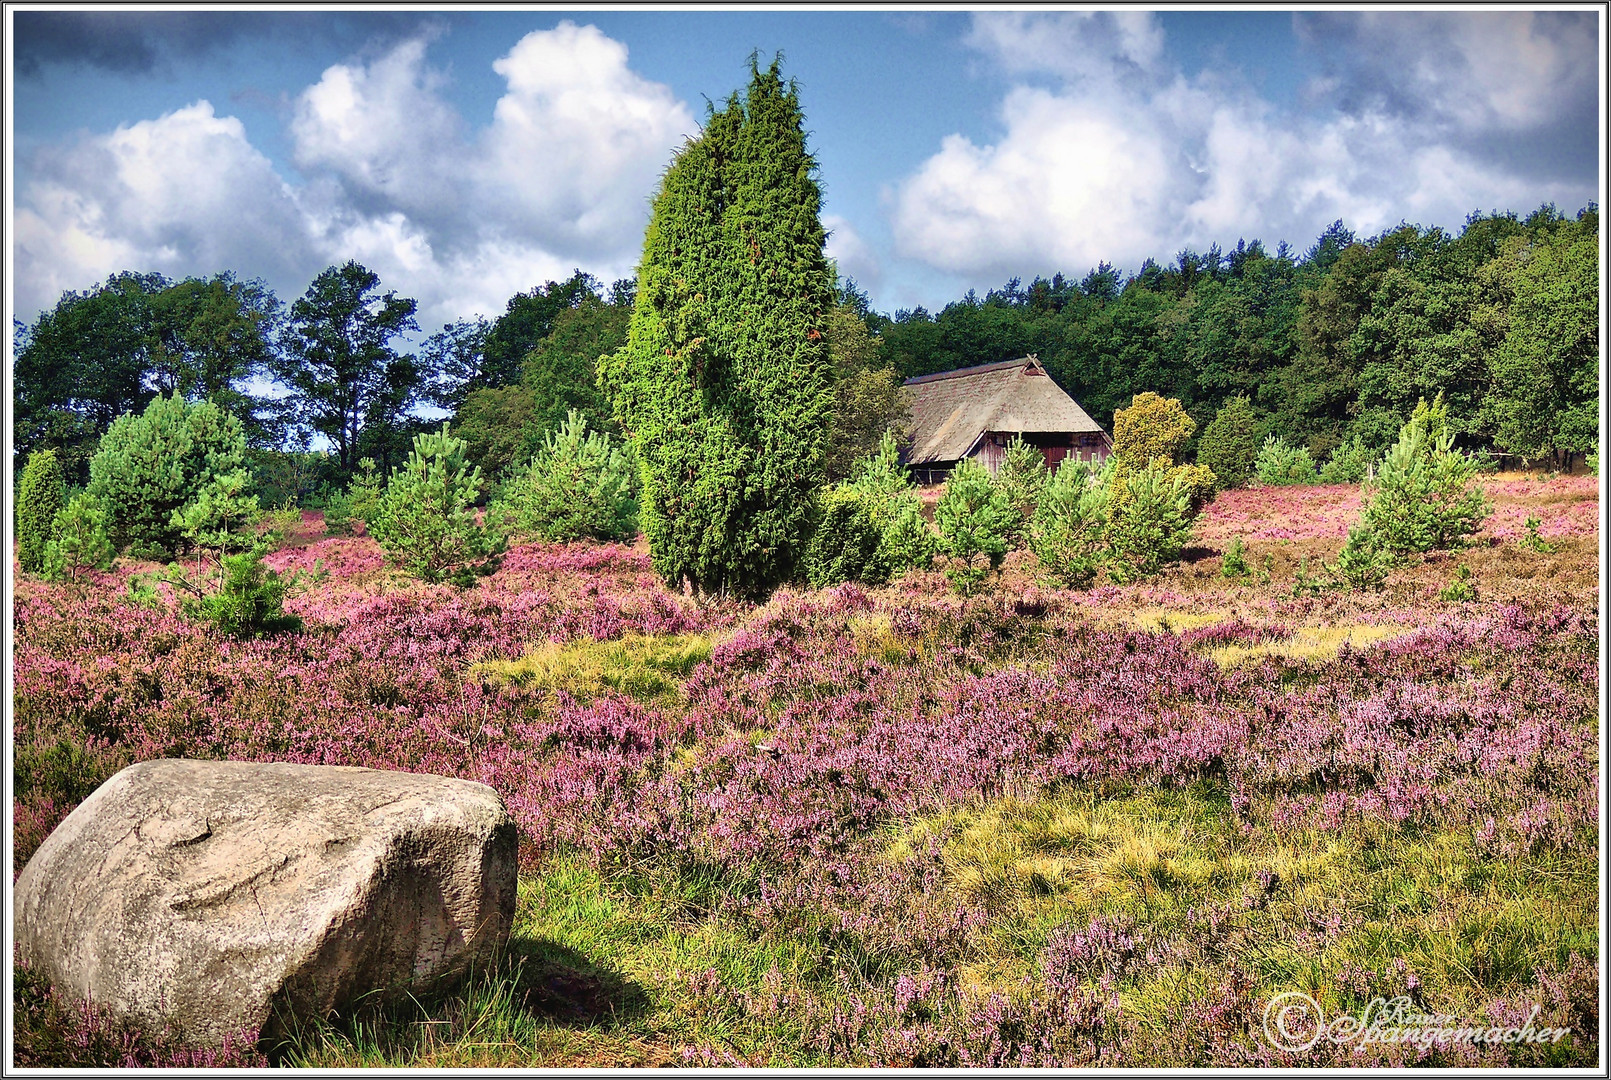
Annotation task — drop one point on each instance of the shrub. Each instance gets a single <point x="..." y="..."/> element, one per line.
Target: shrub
<point x="1070" y="519"/>
<point x="906" y="541"/>
<point x="848" y="543"/>
<point x="357" y="503"/>
<point x="1349" y="463"/>
<point x="249" y="599"/>
<point x="1280" y="465"/>
<point x="974" y="521"/>
<point x="1230" y="445"/>
<point x="1362" y="563"/>
<point x="1021" y="478"/>
<point x="1459" y="590"/>
<point x="1233" y="564"/>
<point x="40" y="494"/>
<point x="150" y="465"/>
<point x="424" y="519"/>
<point x="221" y="517"/>
<point x="1533" y="540"/>
<point x="78" y="539"/>
<point x="1153" y="427"/>
<point x="1198" y="482"/>
<point x="1149" y="522"/>
<point x="580" y="485"/>
<point x="1426" y="495"/>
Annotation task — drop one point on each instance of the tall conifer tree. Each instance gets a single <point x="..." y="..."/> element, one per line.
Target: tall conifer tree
<point x="723" y="385"/>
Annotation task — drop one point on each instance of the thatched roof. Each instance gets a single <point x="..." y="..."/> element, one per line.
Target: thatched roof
<point x="952" y="409"/>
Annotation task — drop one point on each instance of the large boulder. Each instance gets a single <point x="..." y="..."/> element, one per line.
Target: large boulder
<point x="215" y="897"/>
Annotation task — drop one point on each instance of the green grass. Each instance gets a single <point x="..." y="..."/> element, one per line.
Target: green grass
<point x="645" y="667"/>
<point x="608" y="971"/>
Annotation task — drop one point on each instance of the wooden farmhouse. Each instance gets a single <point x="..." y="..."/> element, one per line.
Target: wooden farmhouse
<point x="975" y="412"/>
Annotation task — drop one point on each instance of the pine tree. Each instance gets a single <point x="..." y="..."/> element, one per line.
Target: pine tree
<point x="723" y="385"/>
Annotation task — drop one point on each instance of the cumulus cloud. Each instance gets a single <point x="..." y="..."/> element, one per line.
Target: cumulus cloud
<point x="855" y="258"/>
<point x="1123" y="157"/>
<point x="389" y="173"/>
<point x="174" y="194"/>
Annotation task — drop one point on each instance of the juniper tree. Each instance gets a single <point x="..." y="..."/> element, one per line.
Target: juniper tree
<point x="723" y="386"/>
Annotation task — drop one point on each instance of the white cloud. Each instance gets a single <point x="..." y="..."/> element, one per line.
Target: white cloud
<point x="1128" y="159"/>
<point x="855" y="258"/>
<point x="176" y="194"/>
<point x="560" y="176"/>
<point x="579" y="140"/>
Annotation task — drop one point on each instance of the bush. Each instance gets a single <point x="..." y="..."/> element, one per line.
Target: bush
<point x="357" y="503"/>
<point x="906" y="541"/>
<point x="424" y="519"/>
<point x="1233" y="564"/>
<point x="1459" y="590"/>
<point x="249" y="600"/>
<point x="1349" y="463"/>
<point x="1362" y="563"/>
<point x="78" y="539"/>
<point x="580" y="485"/>
<point x="1198" y="482"/>
<point x="1070" y="519"/>
<point x="40" y="494"/>
<point x="149" y="466"/>
<point x="1280" y="465"/>
<point x="848" y="543"/>
<point x="1021" y="477"/>
<point x="221" y="517"/>
<point x="1149" y="522"/>
<point x="1230" y="444"/>
<point x="974" y="521"/>
<point x="1153" y="427"/>
<point x="1426" y="495"/>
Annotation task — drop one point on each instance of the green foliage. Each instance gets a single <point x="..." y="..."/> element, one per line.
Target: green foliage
<point x="905" y="540"/>
<point x="1532" y="540"/>
<point x="1069" y="523"/>
<point x="847" y="544"/>
<point x="425" y="520"/>
<point x="248" y="601"/>
<point x="868" y="397"/>
<point x="1198" y="482"/>
<point x="1153" y="428"/>
<point x="99" y="354"/>
<point x="1425" y="495"/>
<point x="1304" y="584"/>
<point x="1280" y="465"/>
<point x="1021" y="478"/>
<point x="1233" y="564"/>
<point x="1229" y="444"/>
<point x="357" y="503"/>
<point x="1149" y="521"/>
<point x="579" y="486"/>
<point x="723" y="386"/>
<point x="151" y="465"/>
<point x="345" y="378"/>
<point x="1543" y="377"/>
<point x="1350" y="463"/>
<point x="1591" y="461"/>
<point x="975" y="521"/>
<point x="1362" y="563"/>
<point x="1460" y="589"/>
<point x="221" y="517"/>
<point x="40" y="494"/>
<point x="78" y="540"/>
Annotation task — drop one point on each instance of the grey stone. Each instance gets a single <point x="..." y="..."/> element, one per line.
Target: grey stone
<point x="211" y="897"/>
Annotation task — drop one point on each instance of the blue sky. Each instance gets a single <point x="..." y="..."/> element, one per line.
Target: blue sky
<point x="465" y="156"/>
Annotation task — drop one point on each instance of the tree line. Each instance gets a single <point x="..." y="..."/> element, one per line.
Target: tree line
<point x="1335" y="344"/>
<point x="1328" y="349"/>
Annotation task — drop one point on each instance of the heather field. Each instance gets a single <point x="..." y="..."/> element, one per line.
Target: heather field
<point x="893" y="826"/>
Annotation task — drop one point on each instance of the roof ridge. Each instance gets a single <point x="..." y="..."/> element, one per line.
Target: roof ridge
<point x="976" y="369"/>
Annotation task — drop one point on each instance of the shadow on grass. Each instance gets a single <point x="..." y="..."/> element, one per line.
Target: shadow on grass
<point x="535" y="985"/>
